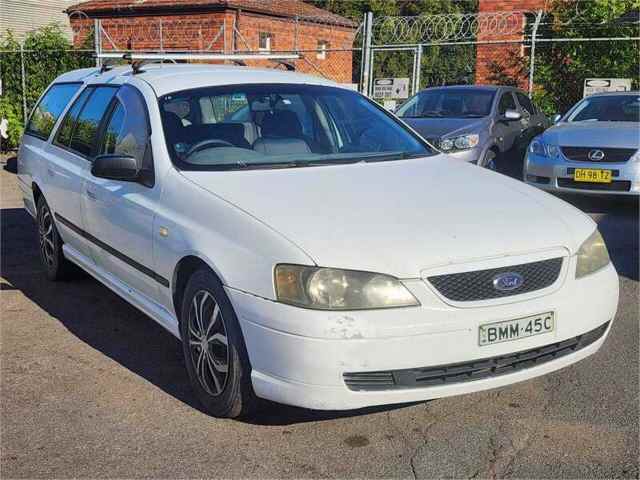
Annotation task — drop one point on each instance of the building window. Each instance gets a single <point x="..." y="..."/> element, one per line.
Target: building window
<point x="266" y="42"/>
<point x="323" y="45"/>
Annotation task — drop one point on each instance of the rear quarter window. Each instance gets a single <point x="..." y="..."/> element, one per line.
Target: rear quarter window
<point x="46" y="113"/>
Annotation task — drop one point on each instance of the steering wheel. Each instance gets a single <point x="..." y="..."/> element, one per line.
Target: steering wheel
<point x="211" y="143"/>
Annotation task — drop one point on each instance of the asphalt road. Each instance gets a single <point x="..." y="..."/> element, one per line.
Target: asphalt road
<point x="90" y="387"/>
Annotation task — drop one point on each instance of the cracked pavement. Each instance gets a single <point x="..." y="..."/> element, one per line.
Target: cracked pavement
<point x="90" y="387"/>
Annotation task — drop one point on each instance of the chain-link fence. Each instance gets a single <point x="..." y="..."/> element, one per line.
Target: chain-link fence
<point x="547" y="53"/>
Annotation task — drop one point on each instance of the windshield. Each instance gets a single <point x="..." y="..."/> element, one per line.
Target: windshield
<point x="449" y="103"/>
<point x="276" y="126"/>
<point x="609" y="108"/>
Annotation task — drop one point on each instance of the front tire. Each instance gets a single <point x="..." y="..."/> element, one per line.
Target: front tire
<point x="214" y="350"/>
<point x="50" y="245"/>
<point x="490" y="161"/>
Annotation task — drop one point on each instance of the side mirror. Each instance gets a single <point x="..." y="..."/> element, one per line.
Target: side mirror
<point x="512" y="115"/>
<point x="116" y="167"/>
<point x="556" y="118"/>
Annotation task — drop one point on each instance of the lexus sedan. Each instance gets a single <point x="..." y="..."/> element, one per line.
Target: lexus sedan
<point x="594" y="148"/>
<point x="309" y="249"/>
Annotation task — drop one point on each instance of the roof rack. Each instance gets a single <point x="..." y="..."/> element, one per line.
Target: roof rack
<point x="138" y="59"/>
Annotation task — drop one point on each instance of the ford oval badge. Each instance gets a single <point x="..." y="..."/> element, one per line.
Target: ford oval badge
<point x="506" y="282"/>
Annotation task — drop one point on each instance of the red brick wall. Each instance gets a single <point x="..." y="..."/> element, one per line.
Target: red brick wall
<point x="198" y="32"/>
<point x="337" y="65"/>
<point x="504" y="54"/>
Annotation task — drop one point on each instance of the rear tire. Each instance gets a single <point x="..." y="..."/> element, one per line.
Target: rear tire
<point x="214" y="350"/>
<point x="50" y="245"/>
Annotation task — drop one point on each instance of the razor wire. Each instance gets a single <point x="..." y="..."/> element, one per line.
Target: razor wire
<point x="445" y="27"/>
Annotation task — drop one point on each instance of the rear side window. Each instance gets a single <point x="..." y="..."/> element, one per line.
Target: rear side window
<point x="506" y="103"/>
<point x="525" y="103"/>
<point x="86" y="129"/>
<point x="46" y="113"/>
<point x="65" y="131"/>
<point x="79" y="129"/>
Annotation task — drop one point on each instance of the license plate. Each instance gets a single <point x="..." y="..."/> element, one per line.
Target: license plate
<point x="592" y="175"/>
<point x="510" y="330"/>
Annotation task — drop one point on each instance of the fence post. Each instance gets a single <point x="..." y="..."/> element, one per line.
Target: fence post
<point x="366" y="53"/>
<point x="24" y="85"/>
<point x="417" y="67"/>
<point x="532" y="65"/>
<point x="97" y="41"/>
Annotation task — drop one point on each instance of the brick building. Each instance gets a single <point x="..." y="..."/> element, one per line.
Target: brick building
<point x="223" y="26"/>
<point x="505" y="53"/>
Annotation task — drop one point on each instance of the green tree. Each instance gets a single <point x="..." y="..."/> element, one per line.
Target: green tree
<point x="47" y="54"/>
<point x="561" y="67"/>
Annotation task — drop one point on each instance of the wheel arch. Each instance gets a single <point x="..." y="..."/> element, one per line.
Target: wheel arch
<point x="37" y="193"/>
<point x="183" y="270"/>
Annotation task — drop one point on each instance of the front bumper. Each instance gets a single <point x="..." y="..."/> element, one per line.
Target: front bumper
<point x="556" y="175"/>
<point x="299" y="357"/>
<point x="472" y="155"/>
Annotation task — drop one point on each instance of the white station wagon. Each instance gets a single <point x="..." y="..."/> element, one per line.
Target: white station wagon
<point x="305" y="245"/>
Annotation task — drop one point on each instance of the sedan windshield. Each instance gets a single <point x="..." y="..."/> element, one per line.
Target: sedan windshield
<point x="280" y="126"/>
<point x="609" y="108"/>
<point x="449" y="103"/>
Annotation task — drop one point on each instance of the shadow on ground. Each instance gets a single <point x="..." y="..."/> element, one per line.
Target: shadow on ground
<point x="110" y="325"/>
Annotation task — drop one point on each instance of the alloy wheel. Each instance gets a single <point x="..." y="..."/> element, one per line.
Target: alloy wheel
<point x="208" y="344"/>
<point x="46" y="235"/>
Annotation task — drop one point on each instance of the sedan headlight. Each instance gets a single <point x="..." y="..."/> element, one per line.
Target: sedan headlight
<point x="592" y="255"/>
<point x="335" y="289"/>
<point x="538" y="147"/>
<point x="462" y="142"/>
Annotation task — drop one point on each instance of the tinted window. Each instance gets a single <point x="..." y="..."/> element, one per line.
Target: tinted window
<point x="259" y="126"/>
<point x="86" y="126"/>
<point x="610" y="108"/>
<point x="126" y="132"/>
<point x="65" y="131"/>
<point x="449" y="102"/>
<point x="50" y="107"/>
<point x="506" y="103"/>
<point x="525" y="103"/>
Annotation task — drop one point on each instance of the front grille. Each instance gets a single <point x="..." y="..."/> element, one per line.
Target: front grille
<point x="478" y="285"/>
<point x="614" y="186"/>
<point x="581" y="154"/>
<point x="469" y="371"/>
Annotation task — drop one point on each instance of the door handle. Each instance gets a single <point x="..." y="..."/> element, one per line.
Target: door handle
<point x="91" y="195"/>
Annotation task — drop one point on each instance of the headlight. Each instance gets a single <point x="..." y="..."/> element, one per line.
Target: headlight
<point x="636" y="156"/>
<point x="538" y="147"/>
<point x="462" y="142"/>
<point x="334" y="289"/>
<point x="592" y="255"/>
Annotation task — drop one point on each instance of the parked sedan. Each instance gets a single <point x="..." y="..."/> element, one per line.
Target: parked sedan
<point x="477" y="124"/>
<point x="594" y="148"/>
<point x="313" y="250"/>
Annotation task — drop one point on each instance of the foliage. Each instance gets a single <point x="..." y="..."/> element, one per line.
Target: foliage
<point x="47" y="54"/>
<point x="562" y="67"/>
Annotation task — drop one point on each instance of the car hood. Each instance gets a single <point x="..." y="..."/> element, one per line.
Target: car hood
<point x="400" y="217"/>
<point x="439" y="127"/>
<point x="595" y="134"/>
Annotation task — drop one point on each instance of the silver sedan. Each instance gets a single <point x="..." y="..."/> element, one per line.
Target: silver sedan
<point x="594" y="148"/>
